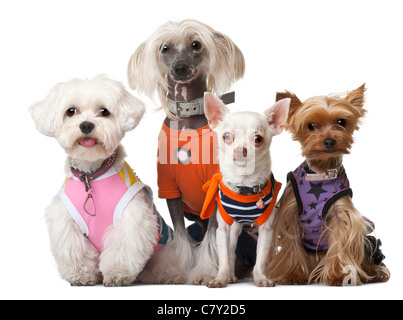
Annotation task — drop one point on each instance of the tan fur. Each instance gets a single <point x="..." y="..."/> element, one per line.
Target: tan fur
<point x="344" y="263"/>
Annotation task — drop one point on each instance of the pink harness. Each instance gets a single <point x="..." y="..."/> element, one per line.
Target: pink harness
<point x="110" y="194"/>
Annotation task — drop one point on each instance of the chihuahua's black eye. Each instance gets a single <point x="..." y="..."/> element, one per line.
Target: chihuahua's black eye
<point x="258" y="140"/>
<point x="228" y="138"/>
<point x="342" y="122"/>
<point x="103" y="112"/>
<point x="71" y="112"/>
<point x="164" y="49"/>
<point x="196" y="46"/>
<point x="311" y="127"/>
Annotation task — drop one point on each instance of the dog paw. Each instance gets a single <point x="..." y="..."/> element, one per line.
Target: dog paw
<point x="217" y="284"/>
<point x="232" y="280"/>
<point x="85" y="280"/>
<point x="264" y="282"/>
<point x="118" y="280"/>
<point x="200" y="280"/>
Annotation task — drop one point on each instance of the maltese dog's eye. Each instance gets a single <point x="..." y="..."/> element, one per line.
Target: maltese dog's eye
<point x="71" y="112"/>
<point x="103" y="112"/>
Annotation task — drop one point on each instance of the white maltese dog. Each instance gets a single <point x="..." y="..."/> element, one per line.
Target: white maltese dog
<point x="103" y="225"/>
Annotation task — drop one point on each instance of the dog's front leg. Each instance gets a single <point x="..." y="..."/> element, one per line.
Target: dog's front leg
<point x="342" y="264"/>
<point x="235" y="231"/>
<point x="223" y="236"/>
<point x="206" y="257"/>
<point x="185" y="261"/>
<point x="129" y="244"/>
<point x="77" y="259"/>
<point x="263" y="248"/>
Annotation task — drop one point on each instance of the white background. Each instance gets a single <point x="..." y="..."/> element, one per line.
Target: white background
<point x="308" y="47"/>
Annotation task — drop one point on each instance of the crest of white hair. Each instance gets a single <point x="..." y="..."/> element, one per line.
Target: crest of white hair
<point x="225" y="63"/>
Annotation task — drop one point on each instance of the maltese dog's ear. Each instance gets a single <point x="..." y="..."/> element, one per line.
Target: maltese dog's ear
<point x="131" y="110"/>
<point x="45" y="113"/>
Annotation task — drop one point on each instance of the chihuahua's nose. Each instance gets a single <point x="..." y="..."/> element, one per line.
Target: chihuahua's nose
<point x="329" y="143"/>
<point x="87" y="127"/>
<point x="240" y="153"/>
<point x="182" y="70"/>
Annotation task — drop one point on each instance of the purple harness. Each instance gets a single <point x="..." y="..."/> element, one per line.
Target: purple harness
<point x="314" y="198"/>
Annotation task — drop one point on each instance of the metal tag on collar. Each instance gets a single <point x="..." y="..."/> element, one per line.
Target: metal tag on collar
<point x="90" y="200"/>
<point x="179" y="109"/>
<point x="261" y="204"/>
<point x="86" y="182"/>
<point x="331" y="174"/>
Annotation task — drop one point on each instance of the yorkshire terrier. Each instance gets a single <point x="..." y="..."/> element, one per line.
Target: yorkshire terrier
<point x="321" y="235"/>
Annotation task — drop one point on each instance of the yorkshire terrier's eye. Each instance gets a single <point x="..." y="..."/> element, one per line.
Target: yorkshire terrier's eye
<point x="311" y="127"/>
<point x="71" y="112"/>
<point x="103" y="112"/>
<point x="342" y="122"/>
<point x="196" y="46"/>
<point x="164" y="49"/>
<point x="258" y="140"/>
<point x="228" y="138"/>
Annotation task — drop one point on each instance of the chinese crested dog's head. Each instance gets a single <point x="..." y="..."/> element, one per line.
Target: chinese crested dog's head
<point x="88" y="118"/>
<point x="245" y="139"/>
<point x="181" y="53"/>
<point x="324" y="125"/>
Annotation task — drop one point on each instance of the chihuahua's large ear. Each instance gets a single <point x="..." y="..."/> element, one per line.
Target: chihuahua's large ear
<point x="131" y="110"/>
<point x="214" y="109"/>
<point x="277" y="115"/>
<point x="294" y="104"/>
<point x="46" y="113"/>
<point x="357" y="97"/>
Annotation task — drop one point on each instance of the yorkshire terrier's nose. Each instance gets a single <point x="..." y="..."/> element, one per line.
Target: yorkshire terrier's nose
<point x="329" y="143"/>
<point x="87" y="127"/>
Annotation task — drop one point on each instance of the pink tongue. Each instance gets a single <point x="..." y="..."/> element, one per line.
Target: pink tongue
<point x="87" y="142"/>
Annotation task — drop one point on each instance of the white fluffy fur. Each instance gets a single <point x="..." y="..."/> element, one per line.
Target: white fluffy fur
<point x="255" y="169"/>
<point x="224" y="62"/>
<point x="128" y="245"/>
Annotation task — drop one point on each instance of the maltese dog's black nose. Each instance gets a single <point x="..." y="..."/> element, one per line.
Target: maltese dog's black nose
<point x="87" y="127"/>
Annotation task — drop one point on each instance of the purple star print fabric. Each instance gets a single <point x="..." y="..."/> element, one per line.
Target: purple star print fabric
<point x="314" y="200"/>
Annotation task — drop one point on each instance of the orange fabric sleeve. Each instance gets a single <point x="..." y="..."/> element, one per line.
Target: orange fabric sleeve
<point x="167" y="187"/>
<point x="211" y="188"/>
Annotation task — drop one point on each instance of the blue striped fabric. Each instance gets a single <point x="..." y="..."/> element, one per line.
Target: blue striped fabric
<point x="245" y="212"/>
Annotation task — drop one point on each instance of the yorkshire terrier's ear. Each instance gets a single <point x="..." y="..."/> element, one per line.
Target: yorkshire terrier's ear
<point x="357" y="97"/>
<point x="295" y="102"/>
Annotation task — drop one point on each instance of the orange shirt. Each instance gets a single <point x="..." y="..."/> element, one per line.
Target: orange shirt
<point x="186" y="161"/>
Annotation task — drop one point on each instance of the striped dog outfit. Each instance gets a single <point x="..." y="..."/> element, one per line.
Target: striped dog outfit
<point x="234" y="207"/>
